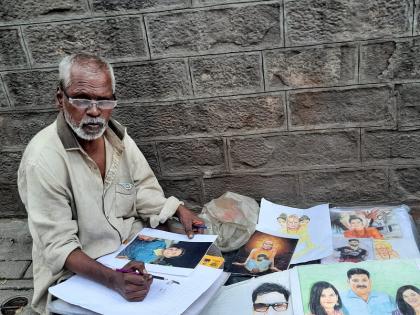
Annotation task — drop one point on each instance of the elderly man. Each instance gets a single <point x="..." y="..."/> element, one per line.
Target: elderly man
<point x="87" y="188"/>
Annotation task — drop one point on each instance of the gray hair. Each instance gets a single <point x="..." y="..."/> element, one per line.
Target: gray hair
<point x="67" y="62"/>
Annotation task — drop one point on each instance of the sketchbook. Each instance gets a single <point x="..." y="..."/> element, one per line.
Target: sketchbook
<point x="174" y="295"/>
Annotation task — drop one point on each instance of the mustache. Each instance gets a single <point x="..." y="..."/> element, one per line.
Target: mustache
<point x="93" y="120"/>
<point x="361" y="286"/>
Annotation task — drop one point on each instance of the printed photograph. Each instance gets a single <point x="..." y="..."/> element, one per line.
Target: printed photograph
<point x="165" y="252"/>
<point x="264" y="253"/>
<point x="376" y="223"/>
<point x="350" y="250"/>
<point x="362" y="288"/>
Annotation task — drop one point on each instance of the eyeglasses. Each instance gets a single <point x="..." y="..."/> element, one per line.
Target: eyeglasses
<point x="83" y="103"/>
<point x="262" y="307"/>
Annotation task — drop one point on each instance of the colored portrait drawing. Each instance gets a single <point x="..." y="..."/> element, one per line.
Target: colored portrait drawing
<point x="384" y="250"/>
<point x="363" y="288"/>
<point x="165" y="252"/>
<point x="350" y="250"/>
<point x="376" y="223"/>
<point x="264" y="253"/>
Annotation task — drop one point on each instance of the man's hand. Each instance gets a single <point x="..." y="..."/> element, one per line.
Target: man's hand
<point x="188" y="219"/>
<point x="134" y="285"/>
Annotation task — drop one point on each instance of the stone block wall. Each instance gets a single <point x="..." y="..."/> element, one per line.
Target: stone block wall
<point x="298" y="101"/>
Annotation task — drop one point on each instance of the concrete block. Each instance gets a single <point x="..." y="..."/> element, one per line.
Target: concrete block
<point x="310" y="67"/>
<point x="294" y="150"/>
<point x="282" y="188"/>
<point x="188" y="190"/>
<point x="149" y="152"/>
<point x="13" y="269"/>
<point x="10" y="204"/>
<point x="192" y="156"/>
<point x="15" y="240"/>
<point x="227" y="74"/>
<point x="9" y="164"/>
<point x="34" y="88"/>
<point x="215" y="30"/>
<point x="323" y="21"/>
<point x="117" y="39"/>
<point x="391" y="146"/>
<point x="214" y="116"/>
<point x="408" y="105"/>
<point x="345" y="186"/>
<point x="391" y="60"/>
<point x="159" y="80"/>
<point x="346" y="107"/>
<point x="4" y="102"/>
<point x="19" y="127"/>
<point x="31" y="10"/>
<point x="12" y="54"/>
<point x="133" y="6"/>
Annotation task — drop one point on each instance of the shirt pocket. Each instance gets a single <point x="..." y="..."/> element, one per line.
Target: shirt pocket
<point x="125" y="199"/>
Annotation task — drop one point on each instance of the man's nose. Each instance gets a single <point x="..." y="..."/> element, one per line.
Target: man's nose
<point x="93" y="110"/>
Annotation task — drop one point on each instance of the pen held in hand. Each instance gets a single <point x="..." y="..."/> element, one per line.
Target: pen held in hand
<point x="136" y="272"/>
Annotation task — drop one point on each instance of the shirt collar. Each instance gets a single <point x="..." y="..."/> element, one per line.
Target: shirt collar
<point x="351" y="294"/>
<point x="114" y="132"/>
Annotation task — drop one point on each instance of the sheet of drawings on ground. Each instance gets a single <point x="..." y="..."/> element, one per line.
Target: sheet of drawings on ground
<point x="255" y="296"/>
<point x="311" y="226"/>
<point x="390" y="287"/>
<point x="166" y="252"/>
<point x="384" y="230"/>
<point x="263" y="253"/>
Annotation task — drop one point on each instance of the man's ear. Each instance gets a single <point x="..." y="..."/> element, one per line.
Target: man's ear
<point x="59" y="98"/>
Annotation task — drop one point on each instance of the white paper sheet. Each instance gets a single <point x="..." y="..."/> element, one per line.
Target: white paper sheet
<point x="237" y="298"/>
<point x="153" y="268"/>
<point x="163" y="298"/>
<point x="315" y="238"/>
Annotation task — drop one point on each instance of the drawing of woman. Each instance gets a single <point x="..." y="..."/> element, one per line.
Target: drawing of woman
<point x="325" y="300"/>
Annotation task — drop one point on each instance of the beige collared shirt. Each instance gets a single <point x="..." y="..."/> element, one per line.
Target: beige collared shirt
<point x="69" y="205"/>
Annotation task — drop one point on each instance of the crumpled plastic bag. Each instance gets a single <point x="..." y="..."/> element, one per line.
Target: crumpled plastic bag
<point x="233" y="218"/>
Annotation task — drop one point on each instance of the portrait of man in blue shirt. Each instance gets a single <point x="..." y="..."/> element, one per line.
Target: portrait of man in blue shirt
<point x="360" y="299"/>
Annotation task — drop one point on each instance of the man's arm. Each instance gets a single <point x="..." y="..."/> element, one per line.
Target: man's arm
<point x="132" y="286"/>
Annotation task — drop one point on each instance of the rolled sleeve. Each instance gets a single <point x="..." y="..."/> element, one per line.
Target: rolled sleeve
<point x="50" y="218"/>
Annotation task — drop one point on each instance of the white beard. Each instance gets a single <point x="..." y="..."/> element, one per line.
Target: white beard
<point x="78" y="128"/>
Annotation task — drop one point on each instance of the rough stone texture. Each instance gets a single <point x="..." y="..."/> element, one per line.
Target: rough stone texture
<point x="16" y="284"/>
<point x="32" y="88"/>
<point x="164" y="80"/>
<point x="15" y="240"/>
<point x="129" y="6"/>
<point x="405" y="183"/>
<point x="321" y="21"/>
<point x="295" y="150"/>
<point x="19" y="127"/>
<point x="391" y="145"/>
<point x="226" y="74"/>
<point x="408" y="104"/>
<point x="13" y="270"/>
<point x="199" y="3"/>
<point x="188" y="190"/>
<point x="3" y="98"/>
<point x="12" y="55"/>
<point x="10" y="204"/>
<point x="210" y="116"/>
<point x="192" y="156"/>
<point x="392" y="60"/>
<point x="215" y="30"/>
<point x="149" y="152"/>
<point x="29" y="272"/>
<point x="277" y="188"/>
<point x="364" y="106"/>
<point x="9" y="164"/>
<point x="345" y="186"/>
<point x="310" y="67"/>
<point x="31" y="10"/>
<point x="117" y="39"/>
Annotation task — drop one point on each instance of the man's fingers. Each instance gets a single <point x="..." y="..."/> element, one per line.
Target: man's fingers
<point x="138" y="280"/>
<point x="137" y="296"/>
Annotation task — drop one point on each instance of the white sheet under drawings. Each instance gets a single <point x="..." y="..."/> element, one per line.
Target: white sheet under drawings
<point x="295" y="289"/>
<point x="163" y="298"/>
<point x="107" y="260"/>
<point x="237" y="298"/>
<point x="319" y="228"/>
